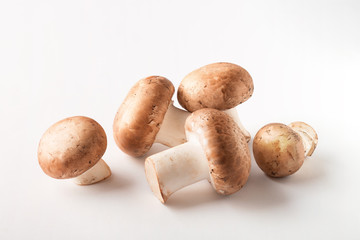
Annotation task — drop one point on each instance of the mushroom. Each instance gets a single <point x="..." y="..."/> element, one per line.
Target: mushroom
<point x="216" y="150"/>
<point x="280" y="150"/>
<point x="72" y="148"/>
<point x="222" y="86"/>
<point x="148" y="116"/>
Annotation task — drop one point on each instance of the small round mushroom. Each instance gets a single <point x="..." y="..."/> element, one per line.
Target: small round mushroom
<point x="148" y="116"/>
<point x="280" y="150"/>
<point x="221" y="85"/>
<point x="216" y="150"/>
<point x="72" y="148"/>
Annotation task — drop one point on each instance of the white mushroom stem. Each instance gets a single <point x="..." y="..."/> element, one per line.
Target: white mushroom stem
<point x="175" y="168"/>
<point x="97" y="173"/>
<point x="172" y="132"/>
<point x="235" y="116"/>
<point x="308" y="136"/>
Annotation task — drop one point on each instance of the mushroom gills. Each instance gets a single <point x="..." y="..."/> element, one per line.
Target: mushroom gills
<point x="176" y="168"/>
<point x="172" y="132"/>
<point x="97" y="173"/>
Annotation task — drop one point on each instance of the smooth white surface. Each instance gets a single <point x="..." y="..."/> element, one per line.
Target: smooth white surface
<point x="65" y="58"/>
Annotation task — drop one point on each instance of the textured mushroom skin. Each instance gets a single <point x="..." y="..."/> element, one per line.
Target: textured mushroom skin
<point x="278" y="150"/>
<point x="225" y="147"/>
<point x="71" y="146"/>
<point x="139" y="117"/>
<point x="219" y="85"/>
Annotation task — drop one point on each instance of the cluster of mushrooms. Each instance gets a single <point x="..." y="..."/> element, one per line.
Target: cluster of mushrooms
<point x="207" y="141"/>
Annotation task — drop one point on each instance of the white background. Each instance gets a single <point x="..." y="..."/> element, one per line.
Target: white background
<point x="66" y="58"/>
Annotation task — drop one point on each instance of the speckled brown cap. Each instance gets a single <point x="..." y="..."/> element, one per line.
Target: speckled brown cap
<point x="278" y="150"/>
<point x="225" y="147"/>
<point x="219" y="85"/>
<point x="71" y="146"/>
<point x="139" y="117"/>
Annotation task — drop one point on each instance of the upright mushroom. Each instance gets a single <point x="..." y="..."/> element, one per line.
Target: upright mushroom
<point x="72" y="148"/>
<point x="221" y="85"/>
<point x="216" y="150"/>
<point x="280" y="150"/>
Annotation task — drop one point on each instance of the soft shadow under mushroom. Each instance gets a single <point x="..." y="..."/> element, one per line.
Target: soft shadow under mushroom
<point x="195" y="195"/>
<point x="262" y="191"/>
<point x="311" y="171"/>
<point x="259" y="193"/>
<point x="115" y="183"/>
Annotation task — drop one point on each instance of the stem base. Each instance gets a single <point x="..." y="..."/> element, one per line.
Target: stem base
<point x="100" y="171"/>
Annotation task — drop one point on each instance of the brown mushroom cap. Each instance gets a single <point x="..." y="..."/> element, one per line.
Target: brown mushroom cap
<point x="225" y="147"/>
<point x="139" y="117"/>
<point x="278" y="150"/>
<point x="219" y="85"/>
<point x="71" y="146"/>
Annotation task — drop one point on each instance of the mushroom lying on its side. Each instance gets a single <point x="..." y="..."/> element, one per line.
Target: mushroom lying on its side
<point x="280" y="150"/>
<point x="72" y="148"/>
<point x="216" y="150"/>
